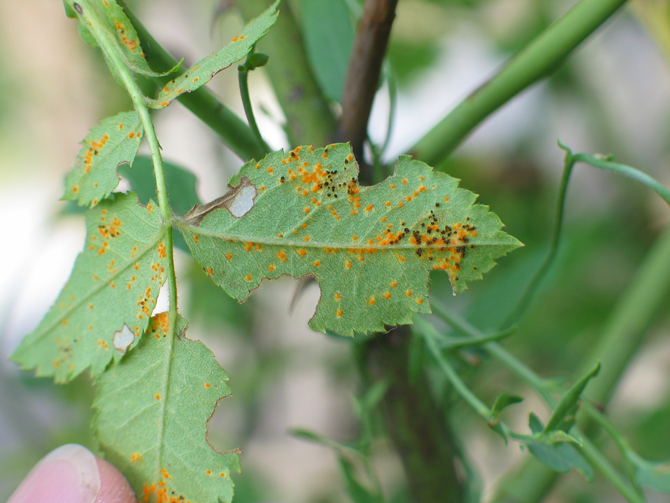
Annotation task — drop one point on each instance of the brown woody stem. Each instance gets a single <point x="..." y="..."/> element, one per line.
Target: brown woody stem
<point x="363" y="73"/>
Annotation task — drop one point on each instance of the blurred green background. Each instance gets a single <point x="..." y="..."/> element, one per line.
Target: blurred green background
<point x="612" y="96"/>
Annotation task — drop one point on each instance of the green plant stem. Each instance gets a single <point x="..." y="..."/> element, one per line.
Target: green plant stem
<point x="569" y="163"/>
<point x="243" y="77"/>
<point x="234" y="132"/>
<point x="531" y="290"/>
<point x="542" y="56"/>
<point x="309" y="119"/>
<point x="600" y="463"/>
<point x="126" y="77"/>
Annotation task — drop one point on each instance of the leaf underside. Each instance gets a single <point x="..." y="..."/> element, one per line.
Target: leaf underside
<point x="152" y="413"/>
<point x="108" y="300"/>
<point x="371" y="249"/>
<point x="113" y="142"/>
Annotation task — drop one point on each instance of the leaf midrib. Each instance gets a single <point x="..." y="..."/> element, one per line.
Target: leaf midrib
<point x="181" y="225"/>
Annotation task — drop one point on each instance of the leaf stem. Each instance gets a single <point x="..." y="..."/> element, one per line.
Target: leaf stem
<point x="541" y="57"/>
<point x="126" y="77"/>
<point x="243" y="78"/>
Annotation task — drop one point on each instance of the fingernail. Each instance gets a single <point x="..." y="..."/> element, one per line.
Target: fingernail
<point x="67" y="475"/>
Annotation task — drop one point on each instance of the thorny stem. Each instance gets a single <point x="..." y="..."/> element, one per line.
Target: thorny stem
<point x="234" y="132"/>
<point x="365" y="64"/>
<point x="541" y="57"/>
<point x="137" y="97"/>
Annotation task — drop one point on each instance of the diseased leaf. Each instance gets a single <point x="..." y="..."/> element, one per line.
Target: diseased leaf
<point x="371" y="249"/>
<point x="110" y="294"/>
<point x="152" y="413"/>
<point x="113" y="142"/>
<point x="106" y="19"/>
<point x="205" y="69"/>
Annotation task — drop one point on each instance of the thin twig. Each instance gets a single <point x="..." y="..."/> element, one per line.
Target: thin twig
<point x="363" y="73"/>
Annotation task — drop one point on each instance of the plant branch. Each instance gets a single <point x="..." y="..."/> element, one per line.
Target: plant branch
<point x="365" y="64"/>
<point x="414" y="422"/>
<point x="234" y="132"/>
<point x="126" y="77"/>
<point x="590" y="452"/>
<point x="541" y="57"/>
<point x="309" y="119"/>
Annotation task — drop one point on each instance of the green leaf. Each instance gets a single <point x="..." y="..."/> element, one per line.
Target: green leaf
<point x="502" y="401"/>
<point x="371" y="249"/>
<point x="328" y="33"/>
<point x="563" y="416"/>
<point x="152" y="413"/>
<point x="113" y="142"/>
<point x="555" y="449"/>
<point x="562" y="457"/>
<point x="106" y="304"/>
<point x="205" y="69"/>
<point x="107" y="20"/>
<point x="650" y="474"/>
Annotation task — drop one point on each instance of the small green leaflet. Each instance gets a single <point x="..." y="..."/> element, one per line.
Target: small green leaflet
<point x="108" y="300"/>
<point x="205" y="69"/>
<point x="152" y="413"/>
<point x="113" y="142"/>
<point x="371" y="249"/>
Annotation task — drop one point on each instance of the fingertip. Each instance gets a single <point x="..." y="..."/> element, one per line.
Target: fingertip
<point x="114" y="488"/>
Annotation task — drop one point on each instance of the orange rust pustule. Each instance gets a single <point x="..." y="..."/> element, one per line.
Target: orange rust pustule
<point x="94" y="150"/>
<point x="130" y="44"/>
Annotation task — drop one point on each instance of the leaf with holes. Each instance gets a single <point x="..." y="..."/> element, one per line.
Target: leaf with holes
<point x="93" y="175"/>
<point x="152" y="413"/>
<point x="205" y="69"/>
<point x="371" y="249"/>
<point x="108" y="300"/>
